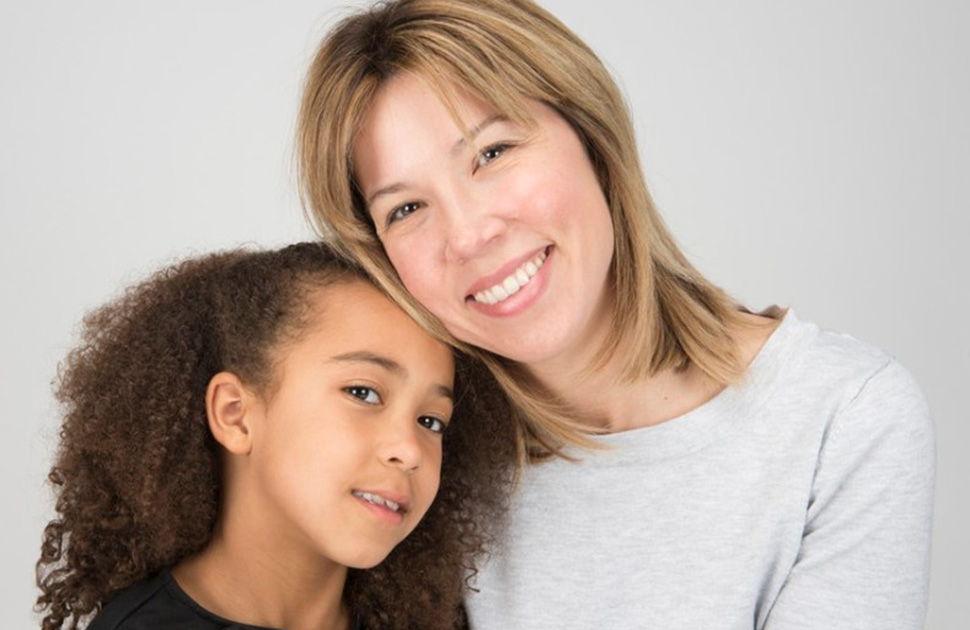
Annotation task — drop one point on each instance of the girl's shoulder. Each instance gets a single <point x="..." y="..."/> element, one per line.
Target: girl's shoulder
<point x="158" y="603"/>
<point x="123" y="611"/>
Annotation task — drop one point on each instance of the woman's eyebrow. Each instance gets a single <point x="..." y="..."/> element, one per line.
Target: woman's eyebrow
<point x="459" y="145"/>
<point x="386" y="190"/>
<point x="477" y="129"/>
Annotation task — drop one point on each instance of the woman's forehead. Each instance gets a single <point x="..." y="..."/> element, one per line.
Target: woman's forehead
<point x="440" y="91"/>
<point x="409" y="122"/>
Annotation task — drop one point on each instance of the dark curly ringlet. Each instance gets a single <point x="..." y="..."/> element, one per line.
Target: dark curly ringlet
<point x="137" y="473"/>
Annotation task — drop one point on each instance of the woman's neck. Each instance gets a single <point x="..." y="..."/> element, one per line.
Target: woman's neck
<point x="605" y="400"/>
<point x="239" y="578"/>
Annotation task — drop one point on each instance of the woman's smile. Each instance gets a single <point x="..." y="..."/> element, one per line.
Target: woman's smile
<point x="498" y="293"/>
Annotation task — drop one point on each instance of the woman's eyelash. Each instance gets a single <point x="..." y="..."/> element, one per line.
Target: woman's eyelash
<point x="437" y="425"/>
<point x="366" y="394"/>
<point x="490" y="153"/>
<point x="401" y="211"/>
<point x="485" y="156"/>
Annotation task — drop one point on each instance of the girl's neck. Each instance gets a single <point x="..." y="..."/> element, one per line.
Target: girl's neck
<point x="237" y="578"/>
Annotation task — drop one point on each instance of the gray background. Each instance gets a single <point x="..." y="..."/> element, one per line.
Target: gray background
<point x="813" y="154"/>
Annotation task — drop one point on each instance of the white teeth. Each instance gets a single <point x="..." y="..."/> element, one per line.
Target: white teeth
<point x="513" y="283"/>
<point x="378" y="500"/>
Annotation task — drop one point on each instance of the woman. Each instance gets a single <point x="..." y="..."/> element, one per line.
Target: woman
<point x="718" y="469"/>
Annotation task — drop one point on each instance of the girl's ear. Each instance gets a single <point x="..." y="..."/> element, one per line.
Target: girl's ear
<point x="230" y="408"/>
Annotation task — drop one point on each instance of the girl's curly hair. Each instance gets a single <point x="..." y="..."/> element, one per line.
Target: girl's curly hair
<point x="137" y="474"/>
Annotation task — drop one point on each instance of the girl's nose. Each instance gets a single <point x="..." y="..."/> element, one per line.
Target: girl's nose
<point x="401" y="447"/>
<point x="473" y="225"/>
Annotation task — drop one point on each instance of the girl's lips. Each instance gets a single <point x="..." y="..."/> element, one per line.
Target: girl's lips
<point x="397" y="500"/>
<point x="381" y="512"/>
<point x="388" y="506"/>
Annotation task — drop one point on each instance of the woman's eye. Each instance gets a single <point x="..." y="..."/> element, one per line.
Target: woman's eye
<point x="402" y="211"/>
<point x="491" y="153"/>
<point x="432" y="424"/>
<point x="366" y="394"/>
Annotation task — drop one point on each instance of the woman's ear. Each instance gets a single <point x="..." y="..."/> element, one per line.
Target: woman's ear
<point x="230" y="408"/>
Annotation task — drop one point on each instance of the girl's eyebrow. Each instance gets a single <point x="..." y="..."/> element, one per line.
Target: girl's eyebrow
<point x="392" y="366"/>
<point x="363" y="356"/>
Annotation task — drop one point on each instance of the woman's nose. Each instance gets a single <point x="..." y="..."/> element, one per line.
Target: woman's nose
<point x="473" y="224"/>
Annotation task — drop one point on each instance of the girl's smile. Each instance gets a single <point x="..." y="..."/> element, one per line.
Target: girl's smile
<point x="384" y="508"/>
<point x="500" y="229"/>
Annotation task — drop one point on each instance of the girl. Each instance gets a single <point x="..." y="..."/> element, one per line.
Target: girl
<point x="244" y="434"/>
<point x="744" y="471"/>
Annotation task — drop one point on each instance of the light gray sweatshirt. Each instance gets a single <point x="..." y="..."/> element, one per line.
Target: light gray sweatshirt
<point x="799" y="499"/>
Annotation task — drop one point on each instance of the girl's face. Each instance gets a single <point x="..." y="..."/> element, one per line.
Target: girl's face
<point x="346" y="454"/>
<point x="506" y="239"/>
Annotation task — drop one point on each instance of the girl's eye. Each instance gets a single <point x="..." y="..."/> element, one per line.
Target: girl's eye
<point x="490" y="154"/>
<point x="401" y="211"/>
<point x="432" y="424"/>
<point x="366" y="394"/>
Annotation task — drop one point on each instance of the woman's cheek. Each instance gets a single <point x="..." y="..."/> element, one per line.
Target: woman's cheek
<point x="417" y="271"/>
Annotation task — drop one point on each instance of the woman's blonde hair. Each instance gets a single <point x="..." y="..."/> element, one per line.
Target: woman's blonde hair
<point x="665" y="313"/>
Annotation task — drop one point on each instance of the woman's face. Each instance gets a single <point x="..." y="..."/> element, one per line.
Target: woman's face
<point x="507" y="239"/>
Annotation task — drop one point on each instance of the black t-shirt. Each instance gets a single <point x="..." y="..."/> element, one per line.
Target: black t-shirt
<point x="159" y="603"/>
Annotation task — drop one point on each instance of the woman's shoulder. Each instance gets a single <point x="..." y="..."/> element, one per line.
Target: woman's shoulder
<point x="843" y="399"/>
<point x="783" y="342"/>
<point x="815" y="367"/>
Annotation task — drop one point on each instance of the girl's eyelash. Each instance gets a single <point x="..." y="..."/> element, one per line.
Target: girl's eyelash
<point x="365" y="394"/>
<point x="431" y="423"/>
<point x="370" y="396"/>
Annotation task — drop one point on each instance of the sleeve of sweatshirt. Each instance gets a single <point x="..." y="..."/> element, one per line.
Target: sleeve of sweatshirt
<point x="864" y="556"/>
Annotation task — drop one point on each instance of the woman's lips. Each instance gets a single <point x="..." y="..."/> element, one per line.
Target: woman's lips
<point x="514" y="276"/>
<point x="493" y="299"/>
